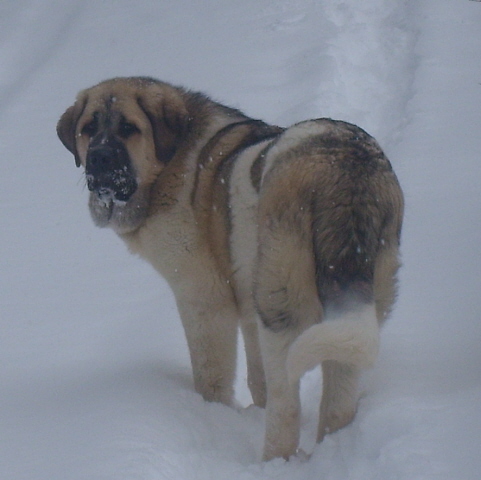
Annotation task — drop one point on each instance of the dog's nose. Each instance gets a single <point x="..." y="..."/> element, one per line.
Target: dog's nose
<point x="101" y="158"/>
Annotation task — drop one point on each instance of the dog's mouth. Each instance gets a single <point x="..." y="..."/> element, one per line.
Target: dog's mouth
<point x="121" y="205"/>
<point x="108" y="197"/>
<point x="114" y="188"/>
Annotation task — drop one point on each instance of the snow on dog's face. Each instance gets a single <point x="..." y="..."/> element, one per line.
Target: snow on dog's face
<point x="123" y="132"/>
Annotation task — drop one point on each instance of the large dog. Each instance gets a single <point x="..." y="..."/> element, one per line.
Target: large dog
<point x="293" y="234"/>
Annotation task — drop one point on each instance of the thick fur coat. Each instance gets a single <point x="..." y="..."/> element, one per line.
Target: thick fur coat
<point x="290" y="234"/>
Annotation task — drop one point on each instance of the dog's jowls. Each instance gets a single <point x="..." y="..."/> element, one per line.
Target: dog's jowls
<point x="290" y="234"/>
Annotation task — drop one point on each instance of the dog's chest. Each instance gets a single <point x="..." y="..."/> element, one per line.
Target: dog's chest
<point x="168" y="241"/>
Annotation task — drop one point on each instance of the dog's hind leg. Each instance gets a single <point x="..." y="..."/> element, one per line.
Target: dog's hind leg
<point x="344" y="343"/>
<point x="340" y="381"/>
<point x="287" y="303"/>
<point x="283" y="403"/>
<point x="339" y="397"/>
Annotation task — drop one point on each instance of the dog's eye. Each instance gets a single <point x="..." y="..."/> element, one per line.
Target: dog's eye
<point x="127" y="129"/>
<point x="90" y="128"/>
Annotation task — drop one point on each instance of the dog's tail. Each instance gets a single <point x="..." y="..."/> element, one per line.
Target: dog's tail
<point x="351" y="226"/>
<point x="350" y="338"/>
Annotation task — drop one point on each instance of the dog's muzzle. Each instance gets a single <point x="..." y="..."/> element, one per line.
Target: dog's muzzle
<point x="109" y="174"/>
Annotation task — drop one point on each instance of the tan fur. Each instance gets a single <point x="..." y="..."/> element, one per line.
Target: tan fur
<point x="291" y="234"/>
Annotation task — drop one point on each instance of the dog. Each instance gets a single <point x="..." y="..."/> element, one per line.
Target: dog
<point x="291" y="234"/>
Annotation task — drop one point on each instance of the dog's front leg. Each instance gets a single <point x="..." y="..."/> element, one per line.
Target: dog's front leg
<point x="211" y="330"/>
<point x="255" y="370"/>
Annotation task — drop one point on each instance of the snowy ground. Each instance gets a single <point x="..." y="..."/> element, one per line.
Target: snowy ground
<point x="94" y="372"/>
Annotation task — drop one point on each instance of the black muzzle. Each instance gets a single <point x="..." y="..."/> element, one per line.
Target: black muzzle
<point x="109" y="173"/>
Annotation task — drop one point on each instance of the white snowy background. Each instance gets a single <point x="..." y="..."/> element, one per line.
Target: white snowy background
<point x="95" y="379"/>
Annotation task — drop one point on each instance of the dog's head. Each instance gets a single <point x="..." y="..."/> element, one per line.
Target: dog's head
<point x="123" y="132"/>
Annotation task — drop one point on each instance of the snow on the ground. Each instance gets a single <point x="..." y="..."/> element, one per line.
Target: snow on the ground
<point x="94" y="372"/>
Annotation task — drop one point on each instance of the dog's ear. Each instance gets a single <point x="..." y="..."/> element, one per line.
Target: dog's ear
<point x="167" y="114"/>
<point x="67" y="125"/>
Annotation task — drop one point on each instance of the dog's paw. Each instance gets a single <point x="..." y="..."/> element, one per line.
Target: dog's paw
<point x="334" y="421"/>
<point x="302" y="456"/>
